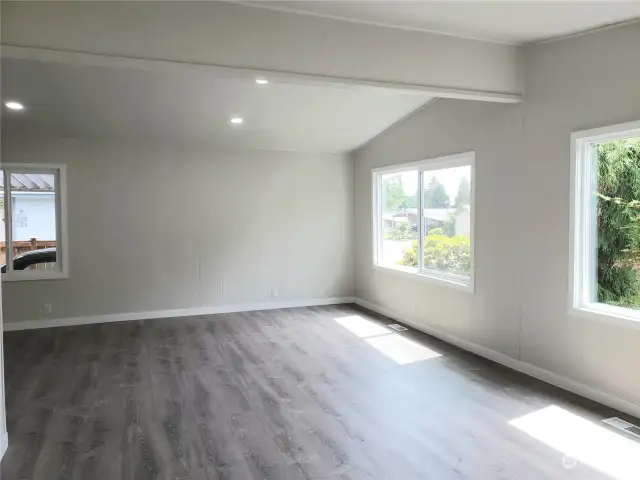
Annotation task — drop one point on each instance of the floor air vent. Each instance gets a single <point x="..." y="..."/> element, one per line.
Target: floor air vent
<point x="397" y="327"/>
<point x="624" y="426"/>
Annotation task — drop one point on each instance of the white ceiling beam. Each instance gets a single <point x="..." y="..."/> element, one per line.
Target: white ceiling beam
<point x="89" y="59"/>
<point x="253" y="40"/>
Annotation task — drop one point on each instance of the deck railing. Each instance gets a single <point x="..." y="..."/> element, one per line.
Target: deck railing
<point x="20" y="247"/>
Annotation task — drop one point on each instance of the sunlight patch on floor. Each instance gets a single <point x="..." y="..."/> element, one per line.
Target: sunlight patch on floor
<point x="611" y="453"/>
<point x="362" y="327"/>
<point x="400" y="349"/>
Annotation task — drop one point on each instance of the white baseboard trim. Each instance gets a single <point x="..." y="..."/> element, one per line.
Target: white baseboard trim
<point x="526" y="368"/>
<point x="182" y="312"/>
<point x="4" y="444"/>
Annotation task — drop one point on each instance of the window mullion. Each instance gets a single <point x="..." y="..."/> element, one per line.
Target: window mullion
<point x="592" y="233"/>
<point x="420" y="220"/>
<point x="60" y="208"/>
<point x="586" y="231"/>
<point x="377" y="218"/>
<point x="8" y="220"/>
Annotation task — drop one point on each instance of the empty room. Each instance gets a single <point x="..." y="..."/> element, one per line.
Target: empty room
<point x="305" y="240"/>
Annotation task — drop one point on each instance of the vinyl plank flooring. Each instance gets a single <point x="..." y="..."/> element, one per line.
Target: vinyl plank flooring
<point x="300" y="394"/>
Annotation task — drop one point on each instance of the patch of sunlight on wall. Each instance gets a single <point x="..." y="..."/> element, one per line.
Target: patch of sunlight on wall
<point x="391" y="344"/>
<point x="608" y="452"/>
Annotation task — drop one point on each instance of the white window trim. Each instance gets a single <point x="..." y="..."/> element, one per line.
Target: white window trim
<point x="466" y="284"/>
<point x="62" y="243"/>
<point x="583" y="234"/>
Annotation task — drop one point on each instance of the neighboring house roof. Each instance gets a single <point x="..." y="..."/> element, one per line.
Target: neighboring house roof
<point x="31" y="182"/>
<point x="438" y="214"/>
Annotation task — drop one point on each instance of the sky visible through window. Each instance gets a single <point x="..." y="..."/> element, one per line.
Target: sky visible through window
<point x="449" y="178"/>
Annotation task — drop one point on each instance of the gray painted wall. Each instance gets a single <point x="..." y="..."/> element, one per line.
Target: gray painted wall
<point x="3" y="424"/>
<point x="156" y="227"/>
<point x="519" y="307"/>
<point x="3" y="420"/>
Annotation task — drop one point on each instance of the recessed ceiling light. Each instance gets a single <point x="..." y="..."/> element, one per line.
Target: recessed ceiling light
<point x="236" y="120"/>
<point x="13" y="105"/>
<point x="262" y="81"/>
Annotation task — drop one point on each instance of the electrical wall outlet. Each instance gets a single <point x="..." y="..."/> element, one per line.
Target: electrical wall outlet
<point x="274" y="292"/>
<point x="47" y="308"/>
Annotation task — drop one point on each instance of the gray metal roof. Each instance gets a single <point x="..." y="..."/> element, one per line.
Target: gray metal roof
<point x="31" y="182"/>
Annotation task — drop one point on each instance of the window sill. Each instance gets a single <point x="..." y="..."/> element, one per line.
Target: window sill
<point x="455" y="281"/>
<point x="33" y="276"/>
<point x="625" y="317"/>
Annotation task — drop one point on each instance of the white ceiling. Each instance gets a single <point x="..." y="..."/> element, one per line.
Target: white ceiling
<point x="196" y="104"/>
<point x="517" y="22"/>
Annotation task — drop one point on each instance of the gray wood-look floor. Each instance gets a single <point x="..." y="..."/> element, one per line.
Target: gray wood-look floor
<point x="282" y="394"/>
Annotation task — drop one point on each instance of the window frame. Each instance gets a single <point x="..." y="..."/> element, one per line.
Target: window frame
<point x="62" y="245"/>
<point x="583" y="224"/>
<point x="466" y="159"/>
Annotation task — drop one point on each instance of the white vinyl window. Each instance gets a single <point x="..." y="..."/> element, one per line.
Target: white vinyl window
<point x="605" y="222"/>
<point x="423" y="219"/>
<point x="33" y="243"/>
